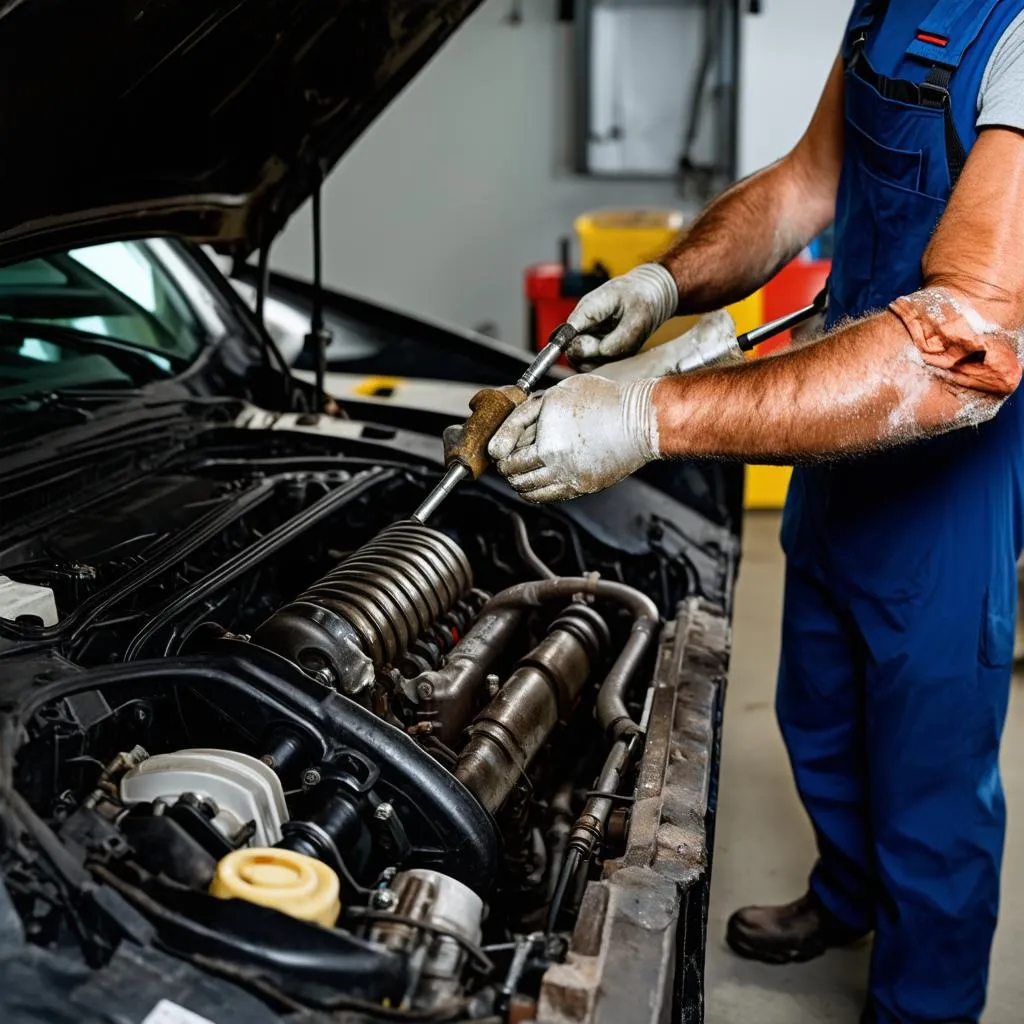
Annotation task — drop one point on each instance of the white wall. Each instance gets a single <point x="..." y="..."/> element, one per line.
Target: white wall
<point x="464" y="180"/>
<point x="786" y="53"/>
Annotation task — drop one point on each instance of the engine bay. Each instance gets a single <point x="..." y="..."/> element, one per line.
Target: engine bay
<point x="346" y="761"/>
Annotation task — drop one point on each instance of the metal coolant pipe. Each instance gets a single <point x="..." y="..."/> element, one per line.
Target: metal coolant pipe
<point x="517" y="722"/>
<point x="543" y="689"/>
<point x="589" y="828"/>
<point x="611" y="697"/>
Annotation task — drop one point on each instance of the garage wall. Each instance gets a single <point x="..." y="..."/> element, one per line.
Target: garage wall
<point x="787" y="52"/>
<point x="464" y="180"/>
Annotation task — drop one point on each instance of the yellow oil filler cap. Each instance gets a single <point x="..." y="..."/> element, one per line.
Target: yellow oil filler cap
<point x="290" y="882"/>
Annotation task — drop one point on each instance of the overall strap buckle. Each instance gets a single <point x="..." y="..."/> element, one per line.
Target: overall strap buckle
<point x="934" y="90"/>
<point x="857" y="44"/>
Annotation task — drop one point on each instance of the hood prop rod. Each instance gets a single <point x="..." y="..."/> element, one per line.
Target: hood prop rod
<point x="319" y="336"/>
<point x="270" y="348"/>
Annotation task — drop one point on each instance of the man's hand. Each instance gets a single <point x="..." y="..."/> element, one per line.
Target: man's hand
<point x="581" y="436"/>
<point x="711" y="341"/>
<point x="615" y="319"/>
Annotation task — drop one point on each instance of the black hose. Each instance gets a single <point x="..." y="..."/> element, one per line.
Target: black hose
<point x="270" y="349"/>
<point x="530" y="557"/>
<point x="263" y="940"/>
<point x="570" y="866"/>
<point x="251" y="556"/>
<point x="316" y="327"/>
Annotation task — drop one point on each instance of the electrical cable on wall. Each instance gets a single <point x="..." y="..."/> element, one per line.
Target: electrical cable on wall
<point x="695" y="177"/>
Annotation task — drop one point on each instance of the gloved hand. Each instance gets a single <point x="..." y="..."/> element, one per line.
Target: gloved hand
<point x="712" y="339"/>
<point x="581" y="436"/>
<point x="615" y="319"/>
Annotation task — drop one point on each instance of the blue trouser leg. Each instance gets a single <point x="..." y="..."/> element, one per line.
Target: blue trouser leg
<point x="820" y="707"/>
<point x="892" y="711"/>
<point x="935" y="712"/>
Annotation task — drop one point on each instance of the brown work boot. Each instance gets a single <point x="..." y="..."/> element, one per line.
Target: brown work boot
<point x="792" y="933"/>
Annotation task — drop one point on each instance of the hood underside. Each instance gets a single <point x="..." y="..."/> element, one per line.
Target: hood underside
<point x="212" y="121"/>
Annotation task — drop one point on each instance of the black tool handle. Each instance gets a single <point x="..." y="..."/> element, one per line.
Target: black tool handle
<point x="769" y="330"/>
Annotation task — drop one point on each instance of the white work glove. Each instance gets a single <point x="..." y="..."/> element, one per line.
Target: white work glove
<point x="712" y="339"/>
<point x="581" y="436"/>
<point x="615" y="319"/>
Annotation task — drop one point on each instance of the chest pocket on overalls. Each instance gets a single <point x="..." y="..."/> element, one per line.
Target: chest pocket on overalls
<point x="900" y="167"/>
<point x="897" y="213"/>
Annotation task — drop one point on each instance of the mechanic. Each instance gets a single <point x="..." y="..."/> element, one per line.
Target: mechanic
<point x="900" y="581"/>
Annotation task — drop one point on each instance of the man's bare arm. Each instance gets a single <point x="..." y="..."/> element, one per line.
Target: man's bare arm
<point x="751" y="230"/>
<point x="945" y="357"/>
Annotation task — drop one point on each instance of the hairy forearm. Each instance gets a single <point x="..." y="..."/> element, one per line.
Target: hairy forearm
<point x="866" y="386"/>
<point x="745" y="235"/>
<point x="740" y="240"/>
<point x="944" y="357"/>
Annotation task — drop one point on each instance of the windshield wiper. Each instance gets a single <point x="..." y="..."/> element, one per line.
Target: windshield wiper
<point x="124" y="354"/>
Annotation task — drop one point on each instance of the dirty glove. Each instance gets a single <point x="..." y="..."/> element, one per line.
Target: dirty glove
<point x="712" y="339"/>
<point x="581" y="436"/>
<point x="616" y="318"/>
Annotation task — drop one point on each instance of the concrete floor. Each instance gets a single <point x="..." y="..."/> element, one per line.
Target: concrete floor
<point x="764" y="845"/>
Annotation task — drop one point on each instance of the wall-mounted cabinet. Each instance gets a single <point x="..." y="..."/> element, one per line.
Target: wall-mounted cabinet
<point x="657" y="89"/>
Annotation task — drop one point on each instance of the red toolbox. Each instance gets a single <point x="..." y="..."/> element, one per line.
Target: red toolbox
<point x="552" y="291"/>
<point x="796" y="284"/>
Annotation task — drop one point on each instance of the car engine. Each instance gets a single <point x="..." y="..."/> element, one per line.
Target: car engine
<point x="345" y="760"/>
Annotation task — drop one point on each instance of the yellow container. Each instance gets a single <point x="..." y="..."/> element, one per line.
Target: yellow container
<point x="619" y="240"/>
<point x="766" y="486"/>
<point x="290" y="882"/>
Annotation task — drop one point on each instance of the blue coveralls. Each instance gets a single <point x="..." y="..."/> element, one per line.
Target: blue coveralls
<point x="900" y="581"/>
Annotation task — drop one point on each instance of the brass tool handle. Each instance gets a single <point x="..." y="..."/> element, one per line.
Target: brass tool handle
<point x="465" y="444"/>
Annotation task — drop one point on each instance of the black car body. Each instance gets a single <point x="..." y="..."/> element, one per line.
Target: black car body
<point x="225" y="643"/>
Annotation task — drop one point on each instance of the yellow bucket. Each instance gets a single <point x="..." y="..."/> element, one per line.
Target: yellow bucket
<point x="619" y="240"/>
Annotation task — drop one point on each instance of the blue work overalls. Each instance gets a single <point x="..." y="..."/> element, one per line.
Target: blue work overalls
<point x="900" y="580"/>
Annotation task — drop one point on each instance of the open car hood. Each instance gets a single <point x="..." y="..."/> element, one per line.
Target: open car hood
<point x="212" y="121"/>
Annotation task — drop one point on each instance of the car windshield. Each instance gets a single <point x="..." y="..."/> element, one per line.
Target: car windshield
<point x="120" y="314"/>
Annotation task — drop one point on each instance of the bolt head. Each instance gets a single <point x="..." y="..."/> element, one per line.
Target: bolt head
<point x="383" y="812"/>
<point x="424" y="690"/>
<point x="311" y="778"/>
<point x="325" y="677"/>
<point x="383" y="899"/>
